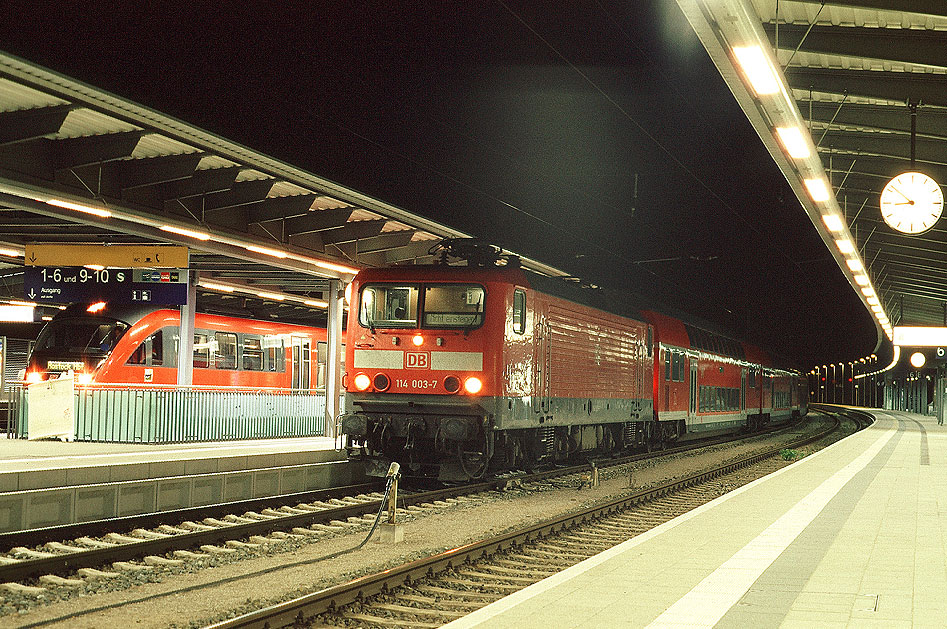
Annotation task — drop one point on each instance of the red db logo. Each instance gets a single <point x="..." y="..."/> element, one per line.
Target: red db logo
<point x="417" y="360"/>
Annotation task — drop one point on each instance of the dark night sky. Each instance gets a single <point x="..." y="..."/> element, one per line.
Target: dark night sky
<point x="519" y="123"/>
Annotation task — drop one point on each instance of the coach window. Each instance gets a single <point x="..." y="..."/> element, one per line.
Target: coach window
<point x="202" y="347"/>
<point x="667" y="364"/>
<point x="519" y="311"/>
<point x="225" y="357"/>
<point x="274" y="353"/>
<point x="252" y="353"/>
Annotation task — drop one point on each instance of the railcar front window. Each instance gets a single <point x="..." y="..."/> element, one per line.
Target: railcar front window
<point x="79" y="336"/>
<point x="389" y="306"/>
<point x="453" y="306"/>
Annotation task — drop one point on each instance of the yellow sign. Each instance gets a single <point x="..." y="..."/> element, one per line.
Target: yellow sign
<point x="124" y="256"/>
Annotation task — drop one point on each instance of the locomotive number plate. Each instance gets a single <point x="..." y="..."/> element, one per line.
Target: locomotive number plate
<point x="421" y="384"/>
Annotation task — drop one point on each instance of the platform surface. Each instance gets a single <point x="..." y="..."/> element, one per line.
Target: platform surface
<point x="18" y="455"/>
<point x="851" y="536"/>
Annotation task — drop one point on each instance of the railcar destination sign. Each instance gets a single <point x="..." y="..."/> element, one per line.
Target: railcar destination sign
<point x="69" y="284"/>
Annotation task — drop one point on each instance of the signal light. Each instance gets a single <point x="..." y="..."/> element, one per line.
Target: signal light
<point x="381" y="382"/>
<point x="473" y="385"/>
<point x="362" y="382"/>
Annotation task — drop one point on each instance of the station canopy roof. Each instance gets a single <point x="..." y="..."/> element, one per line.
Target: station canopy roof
<point x="856" y="71"/>
<point x="79" y="165"/>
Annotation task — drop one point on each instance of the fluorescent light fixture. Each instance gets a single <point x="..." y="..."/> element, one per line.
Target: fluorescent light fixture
<point x="14" y="302"/>
<point x="873" y="301"/>
<point x="818" y="189"/>
<point x="16" y="313"/>
<point x="833" y="222"/>
<point x="862" y="280"/>
<point x="920" y="336"/>
<point x="216" y="286"/>
<point x="868" y="291"/>
<point x="12" y="253"/>
<point x="845" y="246"/>
<point x="266" y="251"/>
<point x="335" y="267"/>
<point x="757" y="69"/>
<point x="316" y="303"/>
<point x="80" y="208"/>
<point x="877" y="308"/>
<point x="273" y="296"/>
<point x="794" y="142"/>
<point x="855" y="264"/>
<point x="47" y="318"/>
<point x="190" y="233"/>
<point x="94" y="267"/>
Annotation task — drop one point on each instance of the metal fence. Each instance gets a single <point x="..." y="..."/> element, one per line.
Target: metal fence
<point x="185" y="414"/>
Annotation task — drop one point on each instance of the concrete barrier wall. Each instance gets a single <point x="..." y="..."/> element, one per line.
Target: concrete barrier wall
<point x="54" y="506"/>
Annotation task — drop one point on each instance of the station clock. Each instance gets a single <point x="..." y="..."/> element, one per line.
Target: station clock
<point x="911" y="203"/>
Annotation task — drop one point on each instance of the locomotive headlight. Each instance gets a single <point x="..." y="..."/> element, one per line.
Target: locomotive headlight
<point x="83" y="378"/>
<point x="418" y="340"/>
<point x="34" y="377"/>
<point x="362" y="382"/>
<point x="473" y="385"/>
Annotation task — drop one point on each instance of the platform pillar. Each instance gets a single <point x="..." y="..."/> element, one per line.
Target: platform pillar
<point x="336" y="299"/>
<point x="186" y="333"/>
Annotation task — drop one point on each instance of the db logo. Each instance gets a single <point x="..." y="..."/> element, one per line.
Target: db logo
<point x="417" y="360"/>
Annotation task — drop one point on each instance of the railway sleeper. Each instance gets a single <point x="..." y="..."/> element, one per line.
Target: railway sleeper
<point x="487" y="597"/>
<point x="479" y="574"/>
<point x="479" y="585"/>
<point x="416" y="611"/>
<point x="390" y="622"/>
<point x="465" y="606"/>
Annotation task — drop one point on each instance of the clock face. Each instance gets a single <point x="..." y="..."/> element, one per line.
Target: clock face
<point x="912" y="203"/>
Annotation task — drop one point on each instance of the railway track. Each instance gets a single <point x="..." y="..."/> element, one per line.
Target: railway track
<point x="95" y="553"/>
<point x="432" y="591"/>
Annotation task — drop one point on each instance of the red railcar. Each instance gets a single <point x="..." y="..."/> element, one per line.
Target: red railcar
<point x="140" y="346"/>
<point x="453" y="371"/>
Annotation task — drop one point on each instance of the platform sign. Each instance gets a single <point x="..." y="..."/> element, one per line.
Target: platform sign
<point x="125" y="256"/>
<point x="63" y="285"/>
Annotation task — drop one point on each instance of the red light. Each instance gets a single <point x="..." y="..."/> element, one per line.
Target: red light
<point x="362" y="382"/>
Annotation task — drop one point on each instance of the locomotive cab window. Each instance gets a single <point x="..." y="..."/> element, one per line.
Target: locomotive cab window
<point x="149" y="353"/>
<point x="453" y="306"/>
<point x="389" y="306"/>
<point x="519" y="311"/>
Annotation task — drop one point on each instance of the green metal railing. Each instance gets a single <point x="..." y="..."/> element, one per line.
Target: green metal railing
<point x="123" y="414"/>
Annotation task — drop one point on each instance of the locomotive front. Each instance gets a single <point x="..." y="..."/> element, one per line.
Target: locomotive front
<point x="422" y="356"/>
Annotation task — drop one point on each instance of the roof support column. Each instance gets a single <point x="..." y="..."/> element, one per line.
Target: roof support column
<point x="336" y="299"/>
<point x="186" y="333"/>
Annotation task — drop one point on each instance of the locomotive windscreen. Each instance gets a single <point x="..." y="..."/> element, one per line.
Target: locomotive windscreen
<point x="441" y="306"/>
<point x="80" y="336"/>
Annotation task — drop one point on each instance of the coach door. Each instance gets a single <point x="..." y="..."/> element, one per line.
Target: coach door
<point x="542" y="363"/>
<point x="694" y="390"/>
<point x="301" y="358"/>
<point x="743" y="389"/>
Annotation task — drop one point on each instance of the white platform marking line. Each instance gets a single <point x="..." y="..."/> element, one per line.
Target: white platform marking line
<point x="713" y="597"/>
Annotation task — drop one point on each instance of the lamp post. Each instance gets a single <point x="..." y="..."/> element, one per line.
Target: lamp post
<point x="833" y="383"/>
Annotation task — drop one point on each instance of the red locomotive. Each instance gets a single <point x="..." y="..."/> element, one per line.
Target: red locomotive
<point x="123" y="345"/>
<point x="456" y="371"/>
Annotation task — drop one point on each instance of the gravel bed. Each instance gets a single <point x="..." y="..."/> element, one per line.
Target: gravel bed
<point x="221" y="586"/>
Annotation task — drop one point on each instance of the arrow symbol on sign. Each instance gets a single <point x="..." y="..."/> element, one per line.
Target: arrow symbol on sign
<point x="32" y="257"/>
<point x="32" y="293"/>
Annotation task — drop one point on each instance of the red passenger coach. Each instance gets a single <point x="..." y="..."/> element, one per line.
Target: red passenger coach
<point x="139" y="346"/>
<point x="454" y="371"/>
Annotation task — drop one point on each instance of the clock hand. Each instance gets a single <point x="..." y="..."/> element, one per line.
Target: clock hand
<point x="906" y="197"/>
